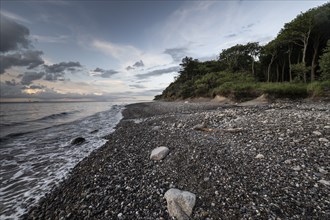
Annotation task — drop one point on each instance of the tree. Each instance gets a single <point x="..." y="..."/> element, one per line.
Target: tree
<point x="325" y="63"/>
<point x="240" y="57"/>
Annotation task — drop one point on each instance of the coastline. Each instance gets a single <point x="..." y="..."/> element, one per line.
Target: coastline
<point x="119" y="179"/>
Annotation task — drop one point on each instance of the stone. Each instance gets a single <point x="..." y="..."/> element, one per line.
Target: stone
<point x="78" y="140"/>
<point x="317" y="133"/>
<point x="159" y="153"/>
<point x="323" y="140"/>
<point x="200" y="126"/>
<point x="180" y="204"/>
<point x="260" y="156"/>
<point x="325" y="182"/>
<point x="296" y="168"/>
<point x="180" y="125"/>
<point x="323" y="171"/>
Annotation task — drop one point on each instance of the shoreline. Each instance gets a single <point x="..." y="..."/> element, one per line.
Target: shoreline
<point x="119" y="180"/>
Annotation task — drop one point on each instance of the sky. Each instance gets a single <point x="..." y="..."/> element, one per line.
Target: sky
<point x="83" y="50"/>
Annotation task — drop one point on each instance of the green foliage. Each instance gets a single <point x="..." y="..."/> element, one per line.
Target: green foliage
<point x="241" y="70"/>
<point x="325" y="63"/>
<point x="240" y="57"/>
<point x="298" y="71"/>
<point x="284" y="90"/>
<point x="319" y="89"/>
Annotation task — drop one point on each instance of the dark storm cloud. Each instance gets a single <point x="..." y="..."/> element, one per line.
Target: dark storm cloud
<point x="138" y="64"/>
<point x="13" y="35"/>
<point x="11" y="83"/>
<point x="104" y="73"/>
<point x="37" y="87"/>
<point x="176" y="53"/>
<point x="28" y="77"/>
<point x="29" y="58"/>
<point x="56" y="72"/>
<point x="61" y="67"/>
<point x="158" y="72"/>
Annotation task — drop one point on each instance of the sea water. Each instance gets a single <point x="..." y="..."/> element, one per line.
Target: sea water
<point x="35" y="146"/>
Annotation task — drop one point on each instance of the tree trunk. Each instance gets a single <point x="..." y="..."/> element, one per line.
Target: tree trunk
<point x="277" y="73"/>
<point x="253" y="68"/>
<point x="290" y="68"/>
<point x="306" y="38"/>
<point x="283" y="68"/>
<point x="314" y="61"/>
<point x="270" y="65"/>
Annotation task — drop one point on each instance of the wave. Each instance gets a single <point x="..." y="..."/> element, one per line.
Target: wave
<point x="58" y="115"/>
<point x="45" y="118"/>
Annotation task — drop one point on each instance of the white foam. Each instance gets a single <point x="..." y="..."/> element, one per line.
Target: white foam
<point x="44" y="158"/>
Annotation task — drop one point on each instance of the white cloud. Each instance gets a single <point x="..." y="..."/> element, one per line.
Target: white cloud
<point x="120" y="52"/>
<point x="15" y="17"/>
<point x="50" y="39"/>
<point x="127" y="54"/>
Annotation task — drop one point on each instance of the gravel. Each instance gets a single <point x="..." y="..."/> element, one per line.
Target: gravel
<point x="290" y="180"/>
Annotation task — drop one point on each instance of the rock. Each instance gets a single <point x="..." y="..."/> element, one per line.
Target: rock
<point x="156" y="128"/>
<point x="323" y="171"/>
<point x="260" y="156"/>
<point x="317" y="133"/>
<point x="78" y="140"/>
<point x="325" y="182"/>
<point x="180" y="203"/>
<point x="200" y="126"/>
<point x="296" y="168"/>
<point x="94" y="131"/>
<point x="323" y="140"/>
<point x="159" y="153"/>
<point x="120" y="216"/>
<point x="180" y="125"/>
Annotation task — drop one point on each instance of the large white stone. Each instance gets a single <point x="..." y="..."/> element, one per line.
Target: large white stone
<point x="159" y="153"/>
<point x="180" y="204"/>
<point x="260" y="156"/>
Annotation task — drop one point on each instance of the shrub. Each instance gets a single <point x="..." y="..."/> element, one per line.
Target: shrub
<point x="285" y="90"/>
<point x="318" y="89"/>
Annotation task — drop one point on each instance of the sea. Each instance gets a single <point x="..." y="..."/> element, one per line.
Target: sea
<point x="36" y="152"/>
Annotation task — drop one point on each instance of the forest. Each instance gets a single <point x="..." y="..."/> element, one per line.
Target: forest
<point x="296" y="64"/>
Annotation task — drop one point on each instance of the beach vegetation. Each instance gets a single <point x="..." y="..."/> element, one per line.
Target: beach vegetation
<point x="295" y="64"/>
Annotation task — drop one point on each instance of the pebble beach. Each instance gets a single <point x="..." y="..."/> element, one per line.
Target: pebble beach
<point x="253" y="161"/>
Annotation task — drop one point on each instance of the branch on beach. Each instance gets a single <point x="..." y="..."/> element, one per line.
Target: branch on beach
<point x="230" y="130"/>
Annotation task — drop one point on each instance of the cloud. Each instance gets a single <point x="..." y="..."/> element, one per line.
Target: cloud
<point x="13" y="35"/>
<point x="103" y="73"/>
<point x="158" y="72"/>
<point x="28" y="77"/>
<point x="11" y="82"/>
<point x="120" y="52"/>
<point x="61" y="67"/>
<point x="129" y="68"/>
<point x="176" y="53"/>
<point x="57" y="71"/>
<point x="137" y="86"/>
<point x="14" y="17"/>
<point x="137" y="64"/>
<point x="37" y="87"/>
<point x="50" y="39"/>
<point x="29" y="58"/>
<point x="230" y="35"/>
